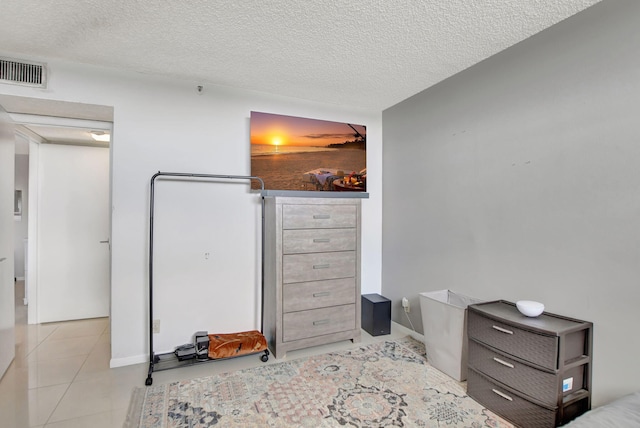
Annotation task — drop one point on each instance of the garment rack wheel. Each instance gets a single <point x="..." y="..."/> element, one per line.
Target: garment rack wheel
<point x="265" y="357"/>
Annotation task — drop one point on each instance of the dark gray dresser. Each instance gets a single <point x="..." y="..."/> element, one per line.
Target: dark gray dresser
<point x="534" y="372"/>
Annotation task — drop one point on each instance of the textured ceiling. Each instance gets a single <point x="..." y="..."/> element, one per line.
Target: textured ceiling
<point x="361" y="53"/>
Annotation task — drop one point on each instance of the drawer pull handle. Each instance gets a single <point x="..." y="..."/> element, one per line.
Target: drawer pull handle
<point x="321" y="216"/>
<point x="502" y="330"/>
<point x="321" y="266"/>
<point x="504" y="363"/>
<point x="322" y="294"/>
<point x="321" y="322"/>
<point x="321" y="240"/>
<point x="502" y="394"/>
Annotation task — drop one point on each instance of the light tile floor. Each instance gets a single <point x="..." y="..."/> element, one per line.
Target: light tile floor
<point x="60" y="377"/>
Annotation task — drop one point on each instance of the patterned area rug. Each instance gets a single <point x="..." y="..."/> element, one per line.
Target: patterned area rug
<point x="386" y="384"/>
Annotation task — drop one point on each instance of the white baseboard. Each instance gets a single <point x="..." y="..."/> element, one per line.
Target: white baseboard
<point x="419" y="337"/>
<point x="20" y="278"/>
<point x="128" y="361"/>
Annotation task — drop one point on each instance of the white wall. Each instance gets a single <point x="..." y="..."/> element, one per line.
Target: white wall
<point x="7" y="289"/>
<point x="168" y="126"/>
<point x="205" y="262"/>
<point x="20" y="231"/>
<point x="520" y="180"/>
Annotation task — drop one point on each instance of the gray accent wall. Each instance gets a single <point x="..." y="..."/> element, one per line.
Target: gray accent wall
<point x="519" y="178"/>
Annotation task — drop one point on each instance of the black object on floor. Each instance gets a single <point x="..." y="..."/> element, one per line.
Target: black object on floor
<point x="376" y="314"/>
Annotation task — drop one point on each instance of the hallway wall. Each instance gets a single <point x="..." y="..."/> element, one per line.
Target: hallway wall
<point x="20" y="231"/>
<point x="7" y="287"/>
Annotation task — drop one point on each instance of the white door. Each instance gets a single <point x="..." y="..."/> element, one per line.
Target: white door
<point x="73" y="233"/>
<point x="7" y="290"/>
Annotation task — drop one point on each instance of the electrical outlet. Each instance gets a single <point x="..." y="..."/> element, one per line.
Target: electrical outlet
<point x="156" y="326"/>
<point x="206" y="256"/>
<point x="405" y="304"/>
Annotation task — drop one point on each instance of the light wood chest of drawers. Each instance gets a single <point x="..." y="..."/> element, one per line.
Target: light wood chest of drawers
<point x="312" y="272"/>
<point x="535" y="372"/>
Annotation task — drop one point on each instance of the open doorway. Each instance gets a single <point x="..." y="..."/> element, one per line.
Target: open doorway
<point x="66" y="206"/>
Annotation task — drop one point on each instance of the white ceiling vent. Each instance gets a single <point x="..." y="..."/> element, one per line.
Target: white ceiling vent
<point x="20" y="72"/>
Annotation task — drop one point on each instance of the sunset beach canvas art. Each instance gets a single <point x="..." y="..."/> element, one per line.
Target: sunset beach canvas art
<point x="296" y="153"/>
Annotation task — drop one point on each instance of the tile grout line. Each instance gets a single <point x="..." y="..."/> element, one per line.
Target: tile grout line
<point x="86" y="357"/>
<point x="67" y="390"/>
<point x="76" y="376"/>
<point x="40" y="342"/>
<point x="68" y="386"/>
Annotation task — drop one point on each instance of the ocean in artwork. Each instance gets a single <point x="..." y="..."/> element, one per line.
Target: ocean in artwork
<point x="270" y="149"/>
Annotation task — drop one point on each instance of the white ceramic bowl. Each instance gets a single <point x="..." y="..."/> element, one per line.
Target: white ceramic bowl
<point x="530" y="308"/>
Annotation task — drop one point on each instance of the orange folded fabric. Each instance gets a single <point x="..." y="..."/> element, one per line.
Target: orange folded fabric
<point x="236" y="344"/>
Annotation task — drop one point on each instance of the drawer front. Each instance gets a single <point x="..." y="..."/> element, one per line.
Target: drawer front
<point x="507" y="404"/>
<point x="318" y="216"/>
<point x="297" y="241"/>
<point x="535" y="383"/>
<point x="318" y="267"/>
<point x="302" y="296"/>
<point x="533" y="347"/>
<point x="317" y="322"/>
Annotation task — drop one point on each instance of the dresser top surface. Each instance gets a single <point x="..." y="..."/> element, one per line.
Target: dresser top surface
<point x="545" y="323"/>
<point x="313" y="194"/>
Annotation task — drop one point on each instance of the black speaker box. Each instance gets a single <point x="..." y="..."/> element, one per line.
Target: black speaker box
<point x="376" y="314"/>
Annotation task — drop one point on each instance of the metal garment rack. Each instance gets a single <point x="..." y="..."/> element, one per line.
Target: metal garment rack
<point x="168" y="361"/>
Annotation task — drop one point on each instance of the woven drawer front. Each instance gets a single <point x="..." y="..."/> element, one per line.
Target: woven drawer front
<point x="317" y="322"/>
<point x="533" y="347"/>
<point x="318" y="240"/>
<point x="318" y="216"/>
<point x="535" y="383"/>
<point x="507" y="404"/>
<point x="318" y="294"/>
<point x="318" y="266"/>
